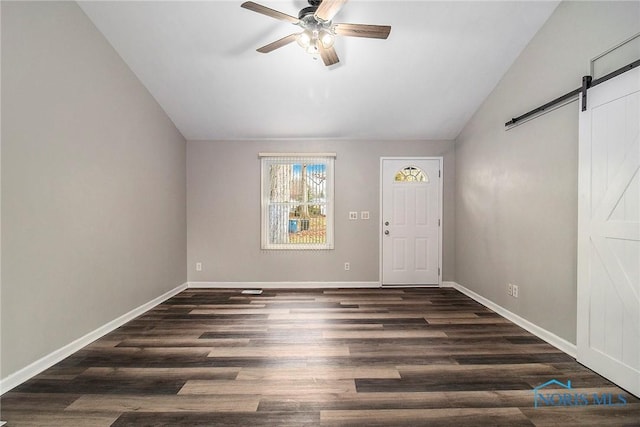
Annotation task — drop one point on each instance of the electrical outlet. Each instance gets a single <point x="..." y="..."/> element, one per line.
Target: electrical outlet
<point x="353" y="215"/>
<point x="515" y="291"/>
<point x="198" y="266"/>
<point x="510" y="289"/>
<point x="347" y="266"/>
<point x="364" y="215"/>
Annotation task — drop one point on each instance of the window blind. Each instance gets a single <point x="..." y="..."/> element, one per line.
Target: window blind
<point x="297" y="201"/>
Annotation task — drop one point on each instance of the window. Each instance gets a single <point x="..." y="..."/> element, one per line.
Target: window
<point x="411" y="174"/>
<point x="297" y="201"/>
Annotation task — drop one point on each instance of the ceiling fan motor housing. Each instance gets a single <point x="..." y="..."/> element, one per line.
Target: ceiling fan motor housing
<point x="307" y="11"/>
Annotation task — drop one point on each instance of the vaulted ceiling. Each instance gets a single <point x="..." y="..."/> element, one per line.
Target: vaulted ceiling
<point x="440" y="62"/>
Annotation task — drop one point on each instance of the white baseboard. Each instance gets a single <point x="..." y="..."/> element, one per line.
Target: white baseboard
<point x="283" y="285"/>
<point x="551" y="338"/>
<point x="56" y="356"/>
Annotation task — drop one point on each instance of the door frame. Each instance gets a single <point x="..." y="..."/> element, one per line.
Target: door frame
<point x="441" y="200"/>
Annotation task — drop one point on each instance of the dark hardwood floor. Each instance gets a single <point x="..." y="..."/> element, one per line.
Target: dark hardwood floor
<point x="318" y="357"/>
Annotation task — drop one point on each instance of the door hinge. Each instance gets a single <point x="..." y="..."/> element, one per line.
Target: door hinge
<point x="438" y="222"/>
<point x="438" y="271"/>
<point x="439" y="173"/>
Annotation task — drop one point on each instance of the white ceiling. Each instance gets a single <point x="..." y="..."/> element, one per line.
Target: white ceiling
<point x="425" y="81"/>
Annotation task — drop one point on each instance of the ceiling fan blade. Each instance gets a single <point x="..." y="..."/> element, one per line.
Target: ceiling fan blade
<point x="363" y="30"/>
<point x="328" y="55"/>
<point x="328" y="9"/>
<point x="277" y="44"/>
<point x="269" y="12"/>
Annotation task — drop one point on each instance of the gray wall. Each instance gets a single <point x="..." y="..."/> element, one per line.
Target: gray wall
<point x="516" y="190"/>
<point x="223" y="210"/>
<point x="93" y="184"/>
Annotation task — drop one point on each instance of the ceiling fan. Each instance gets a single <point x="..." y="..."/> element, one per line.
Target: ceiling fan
<point x="318" y="31"/>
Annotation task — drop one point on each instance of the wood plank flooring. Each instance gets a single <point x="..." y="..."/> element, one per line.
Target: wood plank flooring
<point x="362" y="357"/>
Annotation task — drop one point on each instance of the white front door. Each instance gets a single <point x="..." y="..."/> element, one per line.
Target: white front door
<point x="411" y="220"/>
<point x="608" y="329"/>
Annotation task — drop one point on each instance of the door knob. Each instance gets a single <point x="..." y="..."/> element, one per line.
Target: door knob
<point x="386" y="232"/>
<point x="386" y="223"/>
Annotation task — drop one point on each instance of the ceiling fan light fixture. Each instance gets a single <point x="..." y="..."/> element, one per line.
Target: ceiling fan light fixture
<point x="310" y="39"/>
<point x="312" y="49"/>
<point x="327" y="39"/>
<point x="304" y="39"/>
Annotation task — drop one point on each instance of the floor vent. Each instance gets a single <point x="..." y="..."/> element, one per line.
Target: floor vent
<point x="252" y="291"/>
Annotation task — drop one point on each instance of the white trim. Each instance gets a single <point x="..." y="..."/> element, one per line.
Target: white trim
<point x="441" y="226"/>
<point x="441" y="179"/>
<point x="550" y="337"/>
<point x="56" y="356"/>
<point x="400" y="285"/>
<point x="608" y="51"/>
<point x="297" y="155"/>
<point x="283" y="285"/>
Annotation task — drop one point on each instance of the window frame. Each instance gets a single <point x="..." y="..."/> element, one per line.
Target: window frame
<point x="268" y="159"/>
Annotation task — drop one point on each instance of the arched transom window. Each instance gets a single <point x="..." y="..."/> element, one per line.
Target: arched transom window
<point x="411" y="174"/>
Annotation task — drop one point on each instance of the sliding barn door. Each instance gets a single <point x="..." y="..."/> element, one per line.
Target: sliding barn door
<point x="608" y="338"/>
